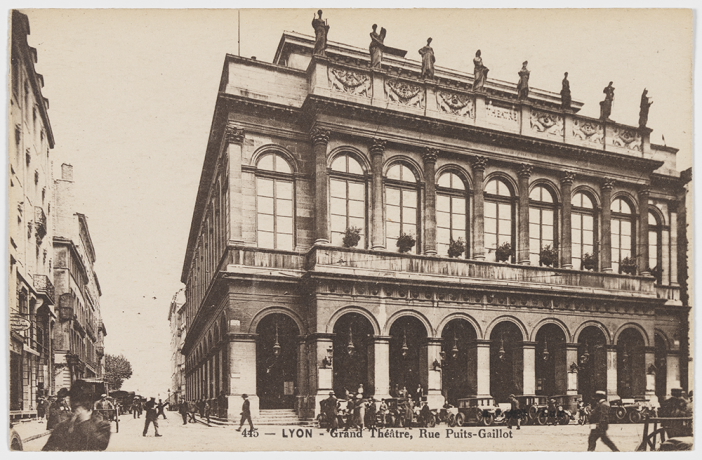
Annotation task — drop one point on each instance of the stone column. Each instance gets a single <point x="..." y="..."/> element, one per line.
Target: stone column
<point x="523" y="237"/>
<point x="483" y="371"/>
<point x="566" y="231"/>
<point x="381" y="365"/>
<point x="242" y="374"/>
<point x="429" y="156"/>
<point x="642" y="243"/>
<point x="673" y="371"/>
<point x="606" y="238"/>
<point x="321" y="377"/>
<point x="650" y="360"/>
<point x="529" y="350"/>
<point x="235" y="138"/>
<point x="434" y="396"/>
<point x="377" y="148"/>
<point x="320" y="139"/>
<point x="572" y="358"/>
<point x="611" y="371"/>
<point x="479" y="164"/>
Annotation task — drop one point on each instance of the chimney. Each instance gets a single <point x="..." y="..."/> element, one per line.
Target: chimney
<point x="67" y="172"/>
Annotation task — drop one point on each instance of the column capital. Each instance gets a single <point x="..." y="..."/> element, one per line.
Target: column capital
<point x="572" y="345"/>
<point x="525" y="170"/>
<point x="319" y="135"/>
<point x="567" y="178"/>
<point x="377" y="146"/>
<point x="430" y="155"/>
<point x="608" y="184"/>
<point x="381" y="338"/>
<point x="527" y="344"/>
<point x="479" y="163"/>
<point x="434" y="340"/>
<point x="235" y="135"/>
<point x="645" y="192"/>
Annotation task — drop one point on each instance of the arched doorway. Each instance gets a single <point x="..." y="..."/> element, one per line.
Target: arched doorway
<point x="276" y="361"/>
<point x="631" y="364"/>
<point x="458" y="373"/>
<point x="408" y="339"/>
<point x="353" y="344"/>
<point x="661" y="357"/>
<point x="551" y="366"/>
<point x="592" y="362"/>
<point x="506" y="361"/>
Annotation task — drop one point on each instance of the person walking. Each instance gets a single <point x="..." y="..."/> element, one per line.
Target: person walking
<point x="245" y="413"/>
<point x="82" y="431"/>
<point x="183" y="411"/>
<point x="514" y="413"/>
<point x="104" y="407"/>
<point x="207" y="410"/>
<point x="192" y="410"/>
<point x="151" y="417"/>
<point x="59" y="410"/>
<point x="161" y="406"/>
<point x="600" y="416"/>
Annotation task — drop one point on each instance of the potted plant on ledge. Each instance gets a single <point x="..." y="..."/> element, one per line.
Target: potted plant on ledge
<point x="351" y="237"/>
<point x="548" y="256"/>
<point x="405" y="242"/>
<point x="628" y="266"/>
<point x="589" y="262"/>
<point x="503" y="252"/>
<point x="456" y="248"/>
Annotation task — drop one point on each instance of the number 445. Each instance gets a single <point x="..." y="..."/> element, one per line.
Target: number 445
<point x="250" y="433"/>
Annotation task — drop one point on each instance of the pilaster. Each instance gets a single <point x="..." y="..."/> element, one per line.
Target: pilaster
<point x="529" y="350"/>
<point x="320" y="139"/>
<point x="377" y="148"/>
<point x="479" y="164"/>
<point x="234" y="152"/>
<point x="642" y="241"/>
<point x="606" y="237"/>
<point x="429" y="156"/>
<point x="523" y="237"/>
<point x="566" y="230"/>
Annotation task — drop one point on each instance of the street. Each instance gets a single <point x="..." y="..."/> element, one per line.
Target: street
<point x="198" y="437"/>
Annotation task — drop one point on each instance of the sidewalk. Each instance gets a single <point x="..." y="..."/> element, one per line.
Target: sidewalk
<point x="30" y="430"/>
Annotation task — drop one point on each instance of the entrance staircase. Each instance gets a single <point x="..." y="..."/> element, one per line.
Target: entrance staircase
<point x="282" y="417"/>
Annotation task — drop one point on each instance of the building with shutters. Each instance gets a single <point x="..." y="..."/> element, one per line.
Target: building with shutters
<point x="568" y="280"/>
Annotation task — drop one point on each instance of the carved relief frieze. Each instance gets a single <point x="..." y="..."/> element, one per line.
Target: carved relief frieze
<point x="588" y="131"/>
<point x="546" y="122"/>
<point x="455" y="104"/>
<point x="502" y="113"/>
<point x="404" y="93"/>
<point x="350" y="82"/>
<point x="626" y="137"/>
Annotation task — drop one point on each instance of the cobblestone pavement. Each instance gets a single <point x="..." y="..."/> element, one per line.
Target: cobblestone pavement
<point x="198" y="437"/>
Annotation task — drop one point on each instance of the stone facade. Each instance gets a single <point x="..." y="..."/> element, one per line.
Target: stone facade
<point x="176" y="320"/>
<point x="306" y="149"/>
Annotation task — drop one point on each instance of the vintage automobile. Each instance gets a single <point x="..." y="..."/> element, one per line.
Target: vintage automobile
<point x="395" y="414"/>
<point x="479" y="410"/>
<point x="646" y="410"/>
<point x="448" y="415"/>
<point x="532" y="405"/>
<point x="567" y="408"/>
<point x="626" y="410"/>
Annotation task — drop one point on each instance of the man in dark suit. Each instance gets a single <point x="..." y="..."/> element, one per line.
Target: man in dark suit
<point x="600" y="415"/>
<point x="151" y="417"/>
<point x="245" y="413"/>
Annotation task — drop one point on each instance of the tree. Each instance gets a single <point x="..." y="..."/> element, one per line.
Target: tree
<point x="117" y="370"/>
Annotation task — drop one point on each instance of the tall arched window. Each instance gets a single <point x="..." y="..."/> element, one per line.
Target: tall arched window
<point x="451" y="212"/>
<point x="401" y="205"/>
<point x="542" y="222"/>
<point x="622" y="232"/>
<point x="499" y="216"/>
<point x="347" y="192"/>
<point x="274" y="202"/>
<point x="658" y="246"/>
<point x="582" y="228"/>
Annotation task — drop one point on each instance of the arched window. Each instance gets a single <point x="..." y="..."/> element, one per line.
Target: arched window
<point x="622" y="233"/>
<point x="401" y="205"/>
<point x="274" y="203"/>
<point x="582" y="228"/>
<point x="499" y="217"/>
<point x="451" y="212"/>
<point x="542" y="222"/>
<point x="347" y="194"/>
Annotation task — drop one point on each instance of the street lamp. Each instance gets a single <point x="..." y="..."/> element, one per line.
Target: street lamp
<point x="545" y="354"/>
<point x="276" y="346"/>
<point x="501" y="351"/>
<point x="350" y="349"/>
<point x="405" y="348"/>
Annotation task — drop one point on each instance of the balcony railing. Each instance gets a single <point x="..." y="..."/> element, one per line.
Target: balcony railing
<point x="670" y="293"/>
<point x="395" y="266"/>
<point x="45" y="287"/>
<point x="267" y="258"/>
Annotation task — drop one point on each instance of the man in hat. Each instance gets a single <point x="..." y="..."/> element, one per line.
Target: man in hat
<point x="600" y="416"/>
<point x="59" y="411"/>
<point x="330" y="412"/>
<point x="514" y="413"/>
<point x="245" y="413"/>
<point x="104" y="407"/>
<point x="82" y="431"/>
<point x="151" y="417"/>
<point x="677" y="406"/>
<point x="160" y="407"/>
<point x="183" y="411"/>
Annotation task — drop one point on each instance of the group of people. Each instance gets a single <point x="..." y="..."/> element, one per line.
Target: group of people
<point x="188" y="409"/>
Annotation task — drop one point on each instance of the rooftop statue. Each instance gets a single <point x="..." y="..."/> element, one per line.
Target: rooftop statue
<point x="606" y="105"/>
<point x="321" y="29"/>
<point x="523" y="85"/>
<point x="565" y="92"/>
<point x="428" y="60"/>
<point x="645" y="105"/>
<point x="376" y="47"/>
<point x="479" y="72"/>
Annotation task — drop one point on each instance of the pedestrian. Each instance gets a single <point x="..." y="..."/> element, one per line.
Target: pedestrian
<point x="514" y="413"/>
<point x="552" y="412"/>
<point x="425" y="414"/>
<point x="245" y="413"/>
<point x="207" y="410"/>
<point x="160" y="406"/>
<point x="183" y="411"/>
<point x="600" y="416"/>
<point x="41" y="407"/>
<point x="151" y="417"/>
<point x="201" y="407"/>
<point x="371" y="414"/>
<point x="82" y="431"/>
<point x="360" y="412"/>
<point x="192" y="410"/>
<point x="59" y="410"/>
<point x="330" y="412"/>
<point x="103" y="407"/>
<point x="419" y="394"/>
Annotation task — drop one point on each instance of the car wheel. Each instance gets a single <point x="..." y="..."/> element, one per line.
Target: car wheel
<point x="15" y="441"/>
<point x="488" y="419"/>
<point x="431" y="423"/>
<point x="563" y="419"/>
<point x="460" y="419"/>
<point x="532" y="414"/>
<point x="451" y="420"/>
<point x="635" y="417"/>
<point x="620" y="413"/>
<point x="542" y="418"/>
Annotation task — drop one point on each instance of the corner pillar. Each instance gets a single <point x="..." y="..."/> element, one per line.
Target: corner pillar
<point x="235" y="138"/>
<point x="242" y="375"/>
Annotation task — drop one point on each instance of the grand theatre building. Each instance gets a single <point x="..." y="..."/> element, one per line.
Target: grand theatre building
<point x="566" y="237"/>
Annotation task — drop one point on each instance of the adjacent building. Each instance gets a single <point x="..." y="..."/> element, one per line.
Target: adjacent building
<point x="31" y="290"/>
<point x="176" y="320"/>
<point x="79" y="332"/>
<point x="332" y="195"/>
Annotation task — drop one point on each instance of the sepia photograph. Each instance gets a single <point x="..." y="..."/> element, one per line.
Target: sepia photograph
<point x="305" y="229"/>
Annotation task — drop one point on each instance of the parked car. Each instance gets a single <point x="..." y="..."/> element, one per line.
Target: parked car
<point x="448" y="414"/>
<point x="479" y="410"/>
<point x="643" y="410"/>
<point x="625" y="410"/>
<point x="532" y="405"/>
<point x="567" y="407"/>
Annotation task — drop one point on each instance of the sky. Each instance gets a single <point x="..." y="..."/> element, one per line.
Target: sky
<point x="132" y="94"/>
